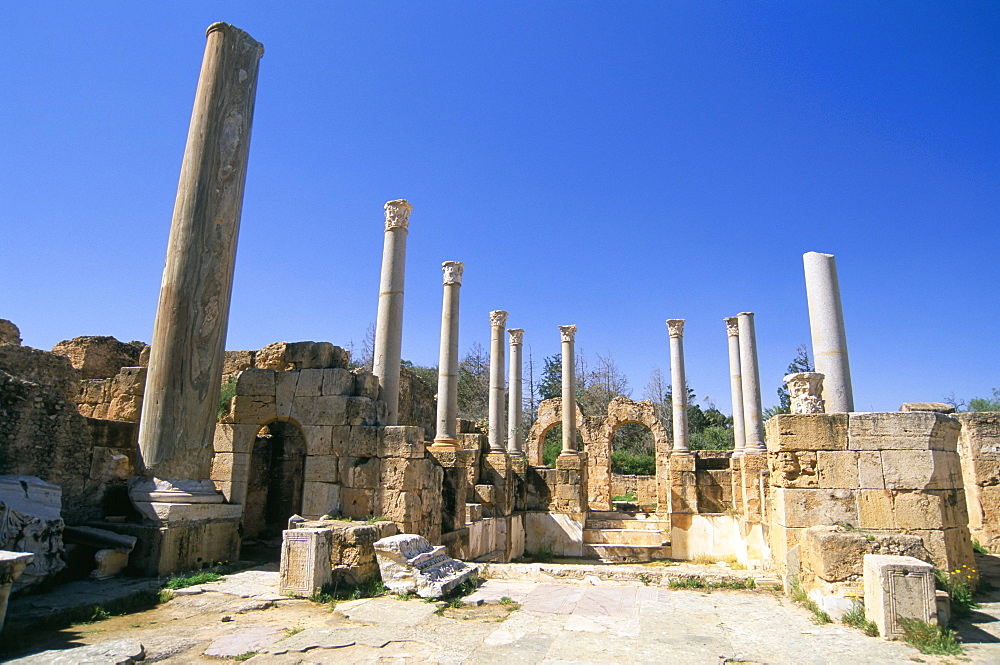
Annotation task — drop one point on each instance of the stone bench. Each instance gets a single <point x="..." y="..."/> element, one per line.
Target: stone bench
<point x="111" y="549"/>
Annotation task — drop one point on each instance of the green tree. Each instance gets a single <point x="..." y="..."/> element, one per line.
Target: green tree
<point x="474" y="384"/>
<point x="985" y="403"/>
<point x="427" y="374"/>
<point x="550" y="385"/>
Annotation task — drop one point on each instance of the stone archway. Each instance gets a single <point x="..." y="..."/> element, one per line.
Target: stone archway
<point x="274" y="480"/>
<point x="550" y="415"/>
<point x="621" y="410"/>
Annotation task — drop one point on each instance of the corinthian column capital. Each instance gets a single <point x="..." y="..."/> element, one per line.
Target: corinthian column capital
<point x="498" y="318"/>
<point x="732" y="326"/>
<point x="567" y="333"/>
<point x="453" y="272"/>
<point x="397" y="214"/>
<point x="516" y="336"/>
<point x="675" y="327"/>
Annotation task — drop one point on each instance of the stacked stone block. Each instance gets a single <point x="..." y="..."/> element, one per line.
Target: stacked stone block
<point x="352" y="548"/>
<point x="872" y="471"/>
<point x="979" y="449"/>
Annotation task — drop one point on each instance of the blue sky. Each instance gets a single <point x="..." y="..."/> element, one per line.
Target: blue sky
<point x="607" y="164"/>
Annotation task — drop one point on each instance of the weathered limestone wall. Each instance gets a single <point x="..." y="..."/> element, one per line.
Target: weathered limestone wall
<point x="100" y="357"/>
<point x="41" y="433"/>
<point x="352" y="555"/>
<point x="116" y="398"/>
<point x="713" y="479"/>
<point x="878" y="472"/>
<point x="642" y="487"/>
<point x="979" y="450"/>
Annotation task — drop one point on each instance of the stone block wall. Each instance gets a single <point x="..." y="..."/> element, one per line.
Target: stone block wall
<point x="713" y="479"/>
<point x="878" y="472"/>
<point x="979" y="450"/>
<point x="352" y="555"/>
<point x="642" y="487"/>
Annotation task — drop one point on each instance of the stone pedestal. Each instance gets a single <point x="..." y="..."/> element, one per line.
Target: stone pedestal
<point x="447" y="403"/>
<point x="679" y="385"/>
<point x="753" y="421"/>
<point x="389" y="321"/>
<point x="305" y="561"/>
<point x="736" y="384"/>
<point x="683" y="484"/>
<point x="829" y="338"/>
<point x="498" y="321"/>
<point x="12" y="565"/>
<point x="456" y="465"/>
<point x="898" y="587"/>
<point x="568" y="335"/>
<point x="570" y="495"/>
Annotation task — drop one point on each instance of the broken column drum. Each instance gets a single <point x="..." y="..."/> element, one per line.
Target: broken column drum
<point x="447" y="404"/>
<point x="753" y="421"/>
<point x="185" y="365"/>
<point x="498" y="322"/>
<point x="389" y="322"/>
<point x="675" y="327"/>
<point x="826" y="324"/>
<point x="736" y="384"/>
<point x="515" y="436"/>
<point x="568" y="336"/>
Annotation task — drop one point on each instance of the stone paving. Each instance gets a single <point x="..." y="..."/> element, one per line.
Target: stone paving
<point x="590" y="621"/>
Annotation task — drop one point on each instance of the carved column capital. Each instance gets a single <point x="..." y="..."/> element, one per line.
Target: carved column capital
<point x="675" y="327"/>
<point x="516" y="336"/>
<point x="498" y="318"/>
<point x="567" y="333"/>
<point x="453" y="272"/>
<point x="806" y="392"/>
<point x="732" y="326"/>
<point x="397" y="214"/>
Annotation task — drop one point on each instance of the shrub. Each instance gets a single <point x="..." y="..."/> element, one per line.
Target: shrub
<point x="929" y="638"/>
<point x="855" y="618"/>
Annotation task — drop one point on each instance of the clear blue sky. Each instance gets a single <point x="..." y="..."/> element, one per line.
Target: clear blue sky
<point x="607" y="164"/>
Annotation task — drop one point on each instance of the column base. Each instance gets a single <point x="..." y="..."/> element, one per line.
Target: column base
<point x="443" y="444"/>
<point x="569" y="453"/>
<point x="681" y="453"/>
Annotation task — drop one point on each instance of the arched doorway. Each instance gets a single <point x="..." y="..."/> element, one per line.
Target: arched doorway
<point x="623" y="413"/>
<point x="274" y="483"/>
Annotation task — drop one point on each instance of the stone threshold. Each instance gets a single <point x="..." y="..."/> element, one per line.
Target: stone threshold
<point x="589" y="573"/>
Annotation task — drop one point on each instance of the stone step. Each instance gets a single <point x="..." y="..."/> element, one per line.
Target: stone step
<point x="624" y="536"/>
<point x="626" y="553"/>
<point x="646" y="525"/>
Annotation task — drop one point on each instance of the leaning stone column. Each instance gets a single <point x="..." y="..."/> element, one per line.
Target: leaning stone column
<point x="498" y="322"/>
<point x="829" y="339"/>
<point x="185" y="365"/>
<point x="447" y="405"/>
<point x="679" y="385"/>
<point x="736" y="384"/>
<point x="568" y="334"/>
<point x="389" y="324"/>
<point x="753" y="421"/>
<point x="514" y="434"/>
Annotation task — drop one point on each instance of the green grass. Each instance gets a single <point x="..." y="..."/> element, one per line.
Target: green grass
<point x="542" y="554"/>
<point x="333" y="593"/>
<point x="855" y="618"/>
<point x="378" y="518"/>
<point x="245" y="656"/>
<point x="632" y="498"/>
<point x="929" y="638"/>
<point x="978" y="548"/>
<point x="698" y="583"/>
<point x="800" y="596"/>
<point x="961" y="586"/>
<point x="191" y="580"/>
<point x="406" y="595"/>
<point x="226" y="396"/>
<point x="507" y="600"/>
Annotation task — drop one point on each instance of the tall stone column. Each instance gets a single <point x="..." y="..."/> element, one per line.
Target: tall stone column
<point x="753" y="420"/>
<point x="447" y="405"/>
<point x="389" y="324"/>
<point x="515" y="436"/>
<point x="498" y="323"/>
<point x="187" y="349"/>
<point x="568" y="334"/>
<point x="829" y="339"/>
<point x="736" y="384"/>
<point x="675" y="327"/>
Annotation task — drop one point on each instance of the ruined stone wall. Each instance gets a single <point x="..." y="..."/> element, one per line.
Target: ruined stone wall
<point x="876" y="472"/>
<point x="100" y="357"/>
<point x="713" y="480"/>
<point x="41" y="433"/>
<point x="979" y="449"/>
<point x="642" y="487"/>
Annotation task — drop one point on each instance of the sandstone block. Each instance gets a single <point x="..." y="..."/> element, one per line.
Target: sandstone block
<point x="486" y="494"/>
<point x="234" y="438"/>
<point x="930" y="509"/>
<point x="360" y="411"/>
<point x="870" y="474"/>
<point x="401" y="441"/>
<point x="129" y="381"/>
<point x="340" y="441"/>
<point x="681" y="463"/>
<point x="321" y="468"/>
<point x="357" y="503"/>
<point x="400" y="506"/>
<point x="809" y="507"/>
<point x="320" y="498"/>
<point x="918" y="430"/>
<point x="233" y="361"/>
<point x="362" y="442"/>
<point x="310" y="383"/>
<point x="359" y="472"/>
<point x="402" y="474"/>
<point x="318" y="438"/>
<point x="938" y="407"/>
<point x="324" y="410"/>
<point x="338" y="381"/>
<point x="284" y="393"/>
<point x="229" y="466"/>
<point x="898" y="587"/>
<point x="365" y="385"/>
<point x="921" y="469"/>
<point x="794" y="469"/>
<point x="837" y="469"/>
<point x="253" y="409"/>
<point x="875" y="509"/>
<point x="814" y="431"/>
<point x="255" y="382"/>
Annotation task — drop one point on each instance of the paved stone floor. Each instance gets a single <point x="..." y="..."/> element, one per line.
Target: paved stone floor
<point x="572" y="622"/>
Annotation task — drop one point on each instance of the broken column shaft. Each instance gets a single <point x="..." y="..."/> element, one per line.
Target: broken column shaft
<point x="829" y="338"/>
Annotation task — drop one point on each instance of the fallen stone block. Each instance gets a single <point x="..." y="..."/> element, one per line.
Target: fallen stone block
<point x="408" y="563"/>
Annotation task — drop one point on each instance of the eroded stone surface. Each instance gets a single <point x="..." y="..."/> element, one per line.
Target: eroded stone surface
<point x="30" y="522"/>
<point x="408" y="563"/>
